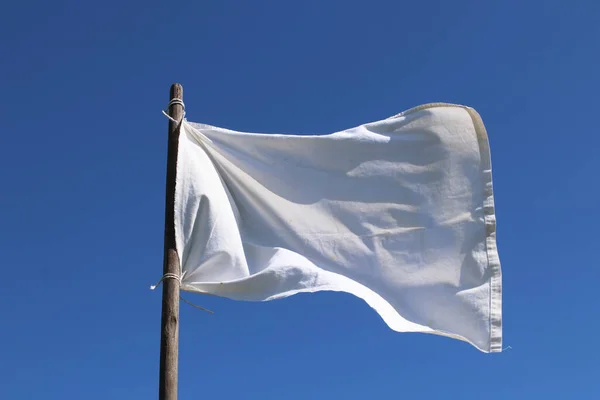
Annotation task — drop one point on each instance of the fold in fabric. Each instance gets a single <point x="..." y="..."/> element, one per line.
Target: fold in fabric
<point x="399" y="212"/>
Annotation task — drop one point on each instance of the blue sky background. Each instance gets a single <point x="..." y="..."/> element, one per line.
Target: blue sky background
<point x="82" y="167"/>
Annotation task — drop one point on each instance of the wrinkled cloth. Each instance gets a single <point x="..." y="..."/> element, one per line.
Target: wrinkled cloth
<point x="399" y="212"/>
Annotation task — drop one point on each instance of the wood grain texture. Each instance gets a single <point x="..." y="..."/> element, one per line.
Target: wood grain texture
<point x="169" y="340"/>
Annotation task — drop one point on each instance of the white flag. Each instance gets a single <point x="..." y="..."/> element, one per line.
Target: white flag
<point x="398" y="212"/>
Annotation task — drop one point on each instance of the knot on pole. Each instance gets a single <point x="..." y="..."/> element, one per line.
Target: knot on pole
<point x="168" y="275"/>
<point x="172" y="103"/>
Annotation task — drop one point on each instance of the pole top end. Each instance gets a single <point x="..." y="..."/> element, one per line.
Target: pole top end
<point x="176" y="91"/>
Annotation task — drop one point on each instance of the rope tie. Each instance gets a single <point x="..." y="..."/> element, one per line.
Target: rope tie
<point x="196" y="306"/>
<point x="202" y="138"/>
<point x="172" y="103"/>
<point x="168" y="275"/>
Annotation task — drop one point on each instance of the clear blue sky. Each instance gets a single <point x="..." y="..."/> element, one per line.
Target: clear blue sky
<point x="82" y="167"/>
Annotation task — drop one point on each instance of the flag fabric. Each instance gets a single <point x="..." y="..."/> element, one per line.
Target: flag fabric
<point x="398" y="212"/>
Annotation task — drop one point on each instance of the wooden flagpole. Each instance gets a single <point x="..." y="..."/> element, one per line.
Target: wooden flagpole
<point x="169" y="339"/>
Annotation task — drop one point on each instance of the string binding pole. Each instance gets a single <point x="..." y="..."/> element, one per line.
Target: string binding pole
<point x="172" y="103"/>
<point x="168" y="275"/>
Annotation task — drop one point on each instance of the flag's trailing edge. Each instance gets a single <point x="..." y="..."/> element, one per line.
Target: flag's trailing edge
<point x="399" y="212"/>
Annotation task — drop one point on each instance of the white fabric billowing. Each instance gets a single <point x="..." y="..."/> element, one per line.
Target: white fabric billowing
<point x="398" y="212"/>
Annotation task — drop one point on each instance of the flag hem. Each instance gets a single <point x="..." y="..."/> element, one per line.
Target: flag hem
<point x="490" y="225"/>
<point x="489" y="220"/>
